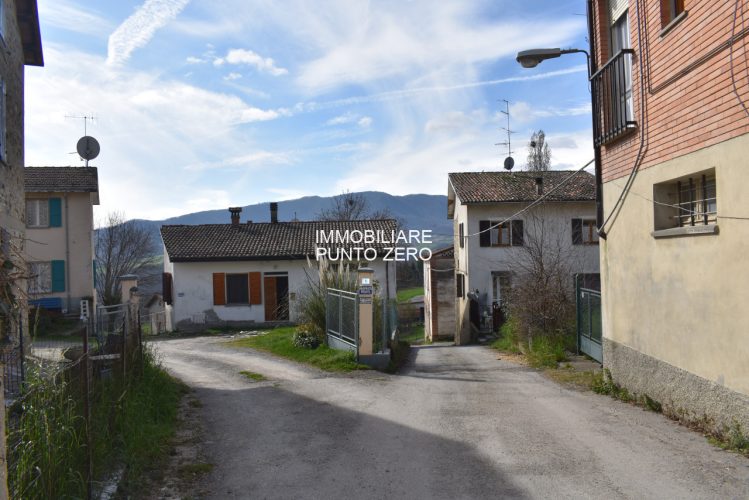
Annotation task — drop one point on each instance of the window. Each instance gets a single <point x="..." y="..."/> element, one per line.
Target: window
<point x="460" y="285"/>
<point x="461" y="235"/>
<point x="501" y="286"/>
<point x="37" y="213"/>
<point x="40" y="277"/>
<point x="584" y="232"/>
<point x="237" y="289"/>
<point x="687" y="202"/>
<point x="493" y="234"/>
<point x="622" y="103"/>
<point x="670" y="10"/>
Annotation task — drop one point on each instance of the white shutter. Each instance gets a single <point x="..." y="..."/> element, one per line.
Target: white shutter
<point x="616" y="9"/>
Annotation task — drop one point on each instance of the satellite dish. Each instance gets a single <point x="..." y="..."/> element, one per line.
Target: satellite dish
<point x="88" y="147"/>
<point x="509" y="163"/>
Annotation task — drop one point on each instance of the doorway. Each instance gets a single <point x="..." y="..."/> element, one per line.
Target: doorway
<point x="276" y="288"/>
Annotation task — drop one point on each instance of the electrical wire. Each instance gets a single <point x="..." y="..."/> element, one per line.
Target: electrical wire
<point x="733" y="41"/>
<point x="541" y="199"/>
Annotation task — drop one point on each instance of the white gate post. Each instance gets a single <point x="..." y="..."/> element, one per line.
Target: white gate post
<point x="366" y="294"/>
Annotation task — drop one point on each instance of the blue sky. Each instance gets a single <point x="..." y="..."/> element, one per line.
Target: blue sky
<point x="205" y="104"/>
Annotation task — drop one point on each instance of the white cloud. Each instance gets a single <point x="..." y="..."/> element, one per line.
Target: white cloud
<point x="194" y="60"/>
<point x="233" y="76"/>
<point x="257" y="158"/>
<point x="250" y="58"/>
<point x="281" y="194"/>
<point x="365" y="122"/>
<point x="523" y="113"/>
<point x="138" y="29"/>
<point x="64" y="15"/>
<point x="349" y="117"/>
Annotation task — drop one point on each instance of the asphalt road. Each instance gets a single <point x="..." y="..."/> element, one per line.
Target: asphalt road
<point x="456" y="423"/>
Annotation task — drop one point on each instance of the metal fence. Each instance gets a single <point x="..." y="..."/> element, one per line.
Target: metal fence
<point x="612" y="96"/>
<point x="342" y="318"/>
<point x="589" y="327"/>
<point x="155" y="323"/>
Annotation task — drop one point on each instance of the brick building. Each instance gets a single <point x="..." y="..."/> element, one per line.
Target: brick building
<point x="672" y="104"/>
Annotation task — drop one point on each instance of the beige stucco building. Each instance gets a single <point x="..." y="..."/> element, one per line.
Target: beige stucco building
<point x="60" y="236"/>
<point x="674" y="264"/>
<point x="487" y="253"/>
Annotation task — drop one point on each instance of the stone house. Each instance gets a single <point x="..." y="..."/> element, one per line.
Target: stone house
<point x="60" y="236"/>
<point x="439" y="296"/>
<point x="22" y="46"/>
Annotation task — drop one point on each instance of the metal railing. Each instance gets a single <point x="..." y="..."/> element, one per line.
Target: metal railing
<point x="342" y="317"/>
<point x="612" y="96"/>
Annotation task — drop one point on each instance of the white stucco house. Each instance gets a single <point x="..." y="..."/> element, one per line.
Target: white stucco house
<point x="60" y="236"/>
<point x="487" y="253"/>
<point x="251" y="272"/>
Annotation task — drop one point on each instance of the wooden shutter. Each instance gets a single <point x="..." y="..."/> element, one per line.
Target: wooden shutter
<point x="485" y="239"/>
<point x="462" y="235"/>
<point x="459" y="286"/>
<point x="55" y="212"/>
<point x="256" y="291"/>
<point x="271" y="301"/>
<point x="219" y="289"/>
<point x="517" y="233"/>
<point x="58" y="275"/>
<point x="577" y="231"/>
<point x="616" y="8"/>
<point x="166" y="287"/>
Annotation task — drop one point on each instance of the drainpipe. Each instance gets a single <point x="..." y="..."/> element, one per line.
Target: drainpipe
<point x="67" y="253"/>
<point x="594" y="108"/>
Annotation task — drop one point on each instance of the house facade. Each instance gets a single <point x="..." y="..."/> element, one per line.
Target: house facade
<point x="493" y="240"/>
<point x="22" y="46"/>
<point x="673" y="127"/>
<point x="439" y="296"/>
<point x="241" y="273"/>
<point x="60" y="236"/>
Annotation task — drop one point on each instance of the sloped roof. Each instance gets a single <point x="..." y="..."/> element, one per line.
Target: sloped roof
<point x="27" y="15"/>
<point x="259" y="240"/>
<point x="61" y="179"/>
<point x="498" y="187"/>
<point x="446" y="253"/>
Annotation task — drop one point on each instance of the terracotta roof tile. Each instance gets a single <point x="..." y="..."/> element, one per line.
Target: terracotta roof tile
<point x="497" y="187"/>
<point x="61" y="179"/>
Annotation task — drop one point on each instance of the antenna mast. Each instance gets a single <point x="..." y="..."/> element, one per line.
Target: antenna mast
<point x="509" y="161"/>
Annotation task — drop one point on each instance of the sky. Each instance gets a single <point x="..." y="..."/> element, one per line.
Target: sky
<point x="205" y="104"/>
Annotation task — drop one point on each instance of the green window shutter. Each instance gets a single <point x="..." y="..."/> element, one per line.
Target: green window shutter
<point x="55" y="212"/>
<point x="58" y="275"/>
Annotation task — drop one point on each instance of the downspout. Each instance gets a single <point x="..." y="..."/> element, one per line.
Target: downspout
<point x="67" y="253"/>
<point x="385" y="316"/>
<point x="592" y="68"/>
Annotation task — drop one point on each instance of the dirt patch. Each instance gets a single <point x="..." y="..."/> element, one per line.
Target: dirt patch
<point x="181" y="477"/>
<point x="517" y="358"/>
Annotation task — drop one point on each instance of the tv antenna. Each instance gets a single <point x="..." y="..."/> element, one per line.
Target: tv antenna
<point x="87" y="147"/>
<point x="509" y="161"/>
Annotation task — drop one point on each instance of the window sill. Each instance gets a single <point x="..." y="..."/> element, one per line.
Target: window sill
<point x="685" y="231"/>
<point x="673" y="23"/>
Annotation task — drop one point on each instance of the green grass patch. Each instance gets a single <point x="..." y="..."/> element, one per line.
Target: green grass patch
<point x="279" y="341"/>
<point x="414" y="335"/>
<point x="407" y="294"/>
<point x="197" y="469"/>
<point x="581" y="379"/>
<point x="257" y="377"/>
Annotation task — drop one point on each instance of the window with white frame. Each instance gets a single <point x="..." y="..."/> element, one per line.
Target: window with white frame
<point x="40" y="277"/>
<point x="584" y="232"/>
<point x="37" y="213"/>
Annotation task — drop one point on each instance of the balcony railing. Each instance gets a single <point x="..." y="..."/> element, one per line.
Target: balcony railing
<point x="612" y="96"/>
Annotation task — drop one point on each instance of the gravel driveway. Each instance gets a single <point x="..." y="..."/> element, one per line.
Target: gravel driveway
<point x="456" y="423"/>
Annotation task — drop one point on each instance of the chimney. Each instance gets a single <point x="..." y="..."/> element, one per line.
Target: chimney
<point x="273" y="212"/>
<point x="235" y="211"/>
<point x="539" y="186"/>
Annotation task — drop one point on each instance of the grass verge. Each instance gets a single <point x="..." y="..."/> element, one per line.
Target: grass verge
<point x="407" y="294"/>
<point x="414" y="335"/>
<point x="279" y="341"/>
<point x="256" y="377"/>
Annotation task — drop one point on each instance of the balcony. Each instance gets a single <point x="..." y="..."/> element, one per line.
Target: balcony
<point x="612" y="98"/>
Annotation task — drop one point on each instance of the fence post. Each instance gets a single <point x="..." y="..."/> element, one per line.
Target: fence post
<point x="3" y="444"/>
<point x="87" y="413"/>
<point x="365" y="296"/>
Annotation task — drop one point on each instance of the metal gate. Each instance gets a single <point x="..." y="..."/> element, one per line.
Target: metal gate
<point x="342" y="319"/>
<point x="589" y="325"/>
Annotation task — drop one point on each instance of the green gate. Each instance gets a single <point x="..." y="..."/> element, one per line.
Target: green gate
<point x="589" y="326"/>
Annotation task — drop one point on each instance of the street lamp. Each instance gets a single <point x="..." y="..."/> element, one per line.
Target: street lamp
<point x="534" y="57"/>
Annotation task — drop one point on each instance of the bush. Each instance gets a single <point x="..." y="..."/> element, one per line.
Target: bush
<point x="313" y="300"/>
<point x="305" y="339"/>
<point x="546" y="352"/>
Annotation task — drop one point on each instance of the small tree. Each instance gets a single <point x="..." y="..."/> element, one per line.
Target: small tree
<point x="122" y="247"/>
<point x="351" y="206"/>
<point x="539" y="153"/>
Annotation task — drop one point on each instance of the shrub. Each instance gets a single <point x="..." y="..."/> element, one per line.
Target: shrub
<point x="312" y="300"/>
<point x="305" y="339"/>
